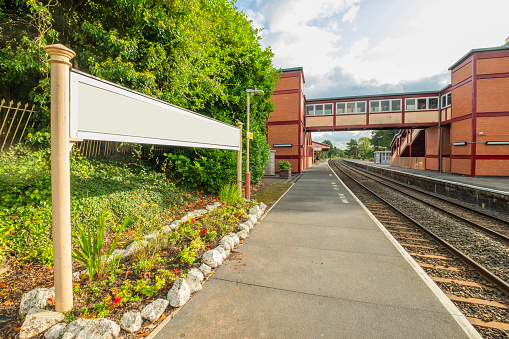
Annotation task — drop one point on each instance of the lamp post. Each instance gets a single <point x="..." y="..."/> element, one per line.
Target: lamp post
<point x="249" y="91"/>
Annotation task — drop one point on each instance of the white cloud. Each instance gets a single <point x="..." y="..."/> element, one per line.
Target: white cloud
<point x="350" y="47"/>
<point x="339" y="139"/>
<point x="351" y="14"/>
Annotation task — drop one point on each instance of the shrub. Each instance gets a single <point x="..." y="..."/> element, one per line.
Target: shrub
<point x="91" y="243"/>
<point x="284" y="164"/>
<point x="229" y="194"/>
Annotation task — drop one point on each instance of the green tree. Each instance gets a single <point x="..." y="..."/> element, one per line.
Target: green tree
<point x="352" y="148"/>
<point x="383" y="138"/>
<point x="197" y="54"/>
<point x="366" y="149"/>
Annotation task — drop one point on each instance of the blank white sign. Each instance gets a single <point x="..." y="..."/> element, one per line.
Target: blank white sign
<point x="101" y="110"/>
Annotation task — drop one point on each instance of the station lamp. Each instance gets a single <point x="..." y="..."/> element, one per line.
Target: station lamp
<point x="249" y="91"/>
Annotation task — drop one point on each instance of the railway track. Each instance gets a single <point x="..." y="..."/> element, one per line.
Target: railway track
<point x="446" y="245"/>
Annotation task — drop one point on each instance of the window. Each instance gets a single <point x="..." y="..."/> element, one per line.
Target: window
<point x="421" y="104"/>
<point x="351" y="107"/>
<point x="319" y="109"/>
<point x="446" y="100"/>
<point x="393" y="105"/>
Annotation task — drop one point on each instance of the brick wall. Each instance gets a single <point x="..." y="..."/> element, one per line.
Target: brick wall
<point x="293" y="162"/>
<point x="286" y="107"/>
<point x="462" y="100"/>
<point x="461" y="131"/>
<point x="284" y="134"/>
<point x="287" y="84"/>
<point x="493" y="95"/>
<point x="446" y="140"/>
<point x="432" y="141"/>
<point x="493" y="129"/>
<point x="493" y="66"/>
<point x="432" y="164"/>
<point x="461" y="166"/>
<point x="492" y="167"/>
<point x="462" y="73"/>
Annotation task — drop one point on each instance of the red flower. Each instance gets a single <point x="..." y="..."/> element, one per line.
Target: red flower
<point x="208" y="246"/>
<point x="117" y="300"/>
<point x="175" y="271"/>
<point x="192" y="220"/>
<point x="202" y="231"/>
<point x="222" y="203"/>
<point x="185" y="222"/>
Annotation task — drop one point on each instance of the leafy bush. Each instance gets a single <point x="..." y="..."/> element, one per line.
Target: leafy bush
<point x="118" y="186"/>
<point x="229" y="194"/>
<point x="91" y="242"/>
<point x="284" y="164"/>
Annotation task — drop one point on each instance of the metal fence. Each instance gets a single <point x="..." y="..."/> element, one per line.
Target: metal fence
<point x="92" y="148"/>
<point x="14" y="122"/>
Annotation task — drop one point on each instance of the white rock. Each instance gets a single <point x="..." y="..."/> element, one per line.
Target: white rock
<point x="179" y="294"/>
<point x="217" y="204"/>
<point x="223" y="250"/>
<point x="84" y="272"/>
<point x="131" y="321"/>
<point x="166" y="229"/>
<point x="235" y="239"/>
<point x="254" y="210"/>
<point x="227" y="242"/>
<point x="244" y="227"/>
<point x="152" y="235"/>
<point x="263" y="207"/>
<point x="38" y="297"/>
<point x="98" y="329"/>
<point x="205" y="269"/>
<point x="154" y="310"/>
<point x="135" y="246"/>
<point x="212" y="258"/>
<point x="194" y="279"/>
<point x="38" y="321"/>
<point x="116" y="254"/>
<point x="199" y="213"/>
<point x="75" y="276"/>
<point x="210" y="207"/>
<point x="175" y="224"/>
<point x="74" y="328"/>
<point x="56" y="331"/>
<point x="252" y="219"/>
<point x="242" y="234"/>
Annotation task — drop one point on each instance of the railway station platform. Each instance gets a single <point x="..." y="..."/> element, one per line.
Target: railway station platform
<point x="318" y="265"/>
<point x="499" y="184"/>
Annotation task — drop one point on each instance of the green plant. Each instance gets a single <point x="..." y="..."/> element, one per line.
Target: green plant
<point x="91" y="243"/>
<point x="284" y="164"/>
<point x="229" y="194"/>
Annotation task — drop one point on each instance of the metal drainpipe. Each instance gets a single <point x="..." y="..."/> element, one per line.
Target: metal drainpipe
<point x="440" y="133"/>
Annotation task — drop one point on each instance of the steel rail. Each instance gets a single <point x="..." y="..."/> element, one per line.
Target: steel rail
<point x="501" y="284"/>
<point x="436" y="197"/>
<point x="373" y="177"/>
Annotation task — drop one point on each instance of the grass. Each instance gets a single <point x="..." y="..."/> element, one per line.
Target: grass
<point x="270" y="193"/>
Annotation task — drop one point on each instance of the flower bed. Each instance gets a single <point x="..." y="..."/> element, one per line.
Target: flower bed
<point x="160" y="270"/>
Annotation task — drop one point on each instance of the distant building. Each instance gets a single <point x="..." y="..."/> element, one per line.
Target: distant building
<point x="462" y="128"/>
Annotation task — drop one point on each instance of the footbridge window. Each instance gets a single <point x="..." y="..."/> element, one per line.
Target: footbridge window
<point x="421" y="104"/>
<point x="393" y="105"/>
<point x="446" y="100"/>
<point x="351" y="107"/>
<point x="319" y="109"/>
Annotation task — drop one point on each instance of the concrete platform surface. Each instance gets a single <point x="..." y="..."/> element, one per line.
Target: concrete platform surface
<point x="318" y="266"/>
<point x="499" y="184"/>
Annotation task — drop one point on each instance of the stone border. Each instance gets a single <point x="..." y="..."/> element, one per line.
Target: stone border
<point x="50" y="323"/>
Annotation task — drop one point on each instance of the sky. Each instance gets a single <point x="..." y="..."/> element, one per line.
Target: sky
<point x="356" y="47"/>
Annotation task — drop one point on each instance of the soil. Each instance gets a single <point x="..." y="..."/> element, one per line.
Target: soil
<point x="20" y="276"/>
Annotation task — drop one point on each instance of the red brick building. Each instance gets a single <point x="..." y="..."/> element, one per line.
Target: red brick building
<point x="462" y="128"/>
